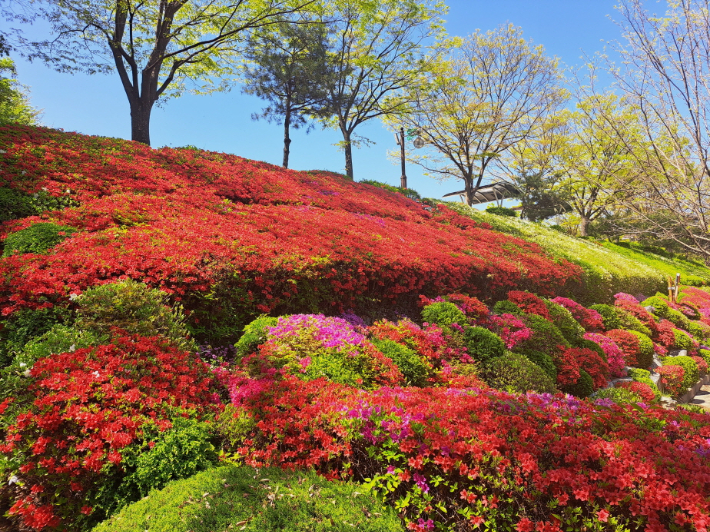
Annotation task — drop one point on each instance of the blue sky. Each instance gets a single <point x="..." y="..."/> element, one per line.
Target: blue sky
<point x="97" y="105"/>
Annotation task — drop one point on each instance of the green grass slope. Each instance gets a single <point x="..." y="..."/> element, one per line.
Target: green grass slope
<point x="608" y="269"/>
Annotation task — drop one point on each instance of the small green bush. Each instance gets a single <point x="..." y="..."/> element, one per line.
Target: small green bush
<point x="644" y="376"/>
<point x="682" y="340"/>
<point x="698" y="330"/>
<point x="254" y="335"/>
<point x="501" y="211"/>
<point x="659" y="304"/>
<point x="134" y="308"/>
<point x="544" y="361"/>
<point x="256" y="501"/>
<point x="443" y="314"/>
<point x="609" y="316"/>
<point x="692" y="373"/>
<point x="15" y="204"/>
<point x="516" y="373"/>
<point x="38" y="238"/>
<point x="695" y="409"/>
<point x="677" y="318"/>
<point x="545" y="337"/>
<point x="26" y="324"/>
<point x="177" y="453"/>
<point x="631" y="322"/>
<point x="482" y="344"/>
<point x="565" y="322"/>
<point x="413" y="367"/>
<point x="620" y="396"/>
<point x="705" y="355"/>
<point x="644" y="356"/>
<point x="582" y="388"/>
<point x="507" y="307"/>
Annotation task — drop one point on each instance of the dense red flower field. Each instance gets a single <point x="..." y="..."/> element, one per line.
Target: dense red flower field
<point x="209" y="227"/>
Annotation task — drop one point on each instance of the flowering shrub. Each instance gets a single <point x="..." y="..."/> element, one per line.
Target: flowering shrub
<point x="627" y="342"/>
<point x="672" y="379"/>
<point x="642" y="389"/>
<point x="702" y="365"/>
<point x="590" y="319"/>
<point x="614" y="355"/>
<point x="472" y="307"/>
<point x="85" y="408"/>
<point x="690" y="373"/>
<point x="635" y="309"/>
<point x="587" y="360"/>
<point x="665" y="334"/>
<point x="645" y="351"/>
<point x="530" y="303"/>
<point x="511" y="329"/>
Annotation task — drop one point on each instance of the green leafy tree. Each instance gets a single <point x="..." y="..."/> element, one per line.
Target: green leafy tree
<point x="494" y="91"/>
<point x="287" y="66"/>
<point x="377" y="49"/>
<point x="157" y="47"/>
<point x="15" y="107"/>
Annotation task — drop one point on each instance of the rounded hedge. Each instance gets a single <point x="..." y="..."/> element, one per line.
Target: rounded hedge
<point x="26" y="324"/>
<point x="546" y="337"/>
<point x="565" y="322"/>
<point x="699" y="330"/>
<point x="590" y="344"/>
<point x="582" y="388"/>
<point x="516" y="373"/>
<point x="507" y="307"/>
<point x="254" y="335"/>
<point x="620" y="396"/>
<point x="660" y="305"/>
<point x="631" y="322"/>
<point x="544" y="361"/>
<point x="482" y="344"/>
<point x="38" y="238"/>
<point x="265" y="500"/>
<point x="677" y="318"/>
<point x="443" y="314"/>
<point x="692" y="374"/>
<point x="682" y="340"/>
<point x="644" y="376"/>
<point x="644" y="355"/>
<point x="609" y="315"/>
<point x="413" y="367"/>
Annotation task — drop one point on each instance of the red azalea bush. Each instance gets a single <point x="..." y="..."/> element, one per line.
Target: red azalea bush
<point x="588" y="318"/>
<point x="633" y="307"/>
<point x="458" y="459"/>
<point x="85" y="408"/>
<point x="530" y="303"/>
<point x="511" y="329"/>
<point x="702" y="365"/>
<point x="627" y="342"/>
<point x="672" y="379"/>
<point x="472" y="307"/>
<point x="586" y="359"/>
<point x="614" y="355"/>
<point x="698" y="299"/>
<point x="664" y="334"/>
<point x="345" y="240"/>
<point x="643" y="390"/>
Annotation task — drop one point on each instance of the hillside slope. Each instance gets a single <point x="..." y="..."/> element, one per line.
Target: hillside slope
<point x="232" y="238"/>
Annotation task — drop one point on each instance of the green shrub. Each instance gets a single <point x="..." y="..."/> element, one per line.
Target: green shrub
<point x="482" y="344"/>
<point x="16" y="204"/>
<point x="443" y="314"/>
<point x="256" y="501"/>
<point x="545" y="337"/>
<point x="413" y="367"/>
<point x="699" y="330"/>
<point x="254" y="335"/>
<point x="682" y="340"/>
<point x="565" y="322"/>
<point x="178" y="453"/>
<point x="582" y="388"/>
<point x="501" y="211"/>
<point x="507" y="307"/>
<point x="689" y="365"/>
<point x="408" y="192"/>
<point x="609" y="316"/>
<point x="544" y="361"/>
<point x="26" y="324"/>
<point x="659" y="305"/>
<point x="618" y="395"/>
<point x="677" y="318"/>
<point x="644" y="376"/>
<point x="644" y="356"/>
<point x="695" y="409"/>
<point x="38" y="238"/>
<point x="705" y="355"/>
<point x="631" y="322"/>
<point x="134" y="308"/>
<point x="516" y="373"/>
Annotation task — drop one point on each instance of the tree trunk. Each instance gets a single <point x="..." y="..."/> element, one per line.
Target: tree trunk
<point x="583" y="225"/>
<point x="348" y="155"/>
<point x="287" y="138"/>
<point x="140" y="122"/>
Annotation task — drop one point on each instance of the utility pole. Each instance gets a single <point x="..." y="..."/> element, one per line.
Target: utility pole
<point x="400" y="140"/>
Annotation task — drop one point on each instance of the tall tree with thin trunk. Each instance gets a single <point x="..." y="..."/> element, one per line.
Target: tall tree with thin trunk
<point x="156" y="46"/>
<point x="494" y="91"/>
<point x="377" y="48"/>
<point x="287" y="66"/>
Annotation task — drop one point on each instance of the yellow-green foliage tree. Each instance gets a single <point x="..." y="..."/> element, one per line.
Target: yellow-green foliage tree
<point x="494" y="91"/>
<point x="14" y="104"/>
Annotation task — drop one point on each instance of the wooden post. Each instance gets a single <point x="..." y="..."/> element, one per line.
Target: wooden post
<point x="677" y="287"/>
<point x="403" y="183"/>
<point x="670" y="289"/>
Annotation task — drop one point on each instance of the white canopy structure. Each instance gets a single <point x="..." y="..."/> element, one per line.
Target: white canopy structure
<point x="493" y="192"/>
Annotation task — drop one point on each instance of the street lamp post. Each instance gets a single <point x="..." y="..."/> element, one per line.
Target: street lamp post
<point x="400" y="140"/>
